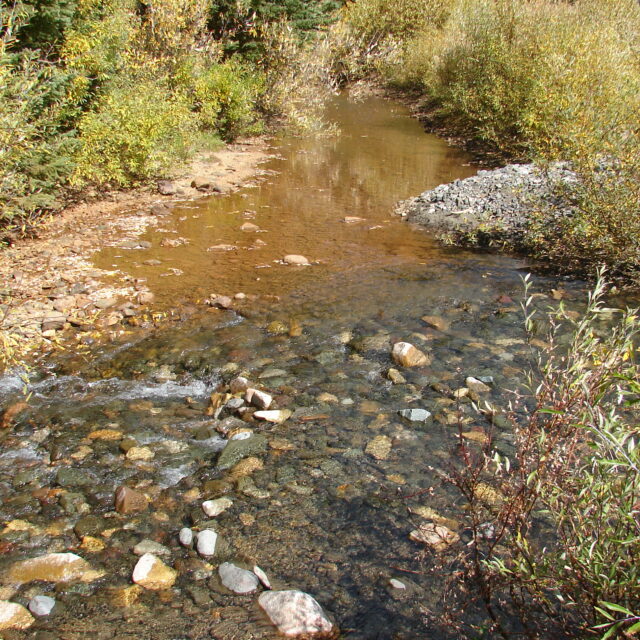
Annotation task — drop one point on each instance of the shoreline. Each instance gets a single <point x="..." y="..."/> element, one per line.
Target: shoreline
<point x="51" y="285"/>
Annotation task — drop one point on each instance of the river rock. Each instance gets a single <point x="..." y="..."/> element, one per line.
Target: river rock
<point x="436" y="536"/>
<point x="215" y="507"/>
<point x="258" y="398"/>
<point x="406" y="355"/>
<point x="206" y="542"/>
<point x="129" y="501"/>
<point x="151" y="573"/>
<point x="436" y="322"/>
<point x="476" y="385"/>
<point x="262" y="576"/>
<point x="41" y="605"/>
<point x="296" y="260"/>
<point x="379" y="447"/>
<point x="249" y="226"/>
<point x="166" y="188"/>
<point x="277" y="416"/>
<point x="415" y="415"/>
<point x="143" y="454"/>
<point x="151" y="546"/>
<point x="186" y="537"/>
<point x="238" y="385"/>
<point x="238" y="449"/>
<point x="236" y="579"/>
<point x="14" y="616"/>
<point x="294" y="612"/>
<point x="395" y="376"/>
<point x="53" y="567"/>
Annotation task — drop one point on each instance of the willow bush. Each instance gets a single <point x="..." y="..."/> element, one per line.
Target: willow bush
<point x="559" y="550"/>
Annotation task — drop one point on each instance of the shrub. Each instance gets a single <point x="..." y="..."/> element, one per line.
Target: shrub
<point x="565" y="535"/>
<point x="226" y="95"/>
<point x="133" y="133"/>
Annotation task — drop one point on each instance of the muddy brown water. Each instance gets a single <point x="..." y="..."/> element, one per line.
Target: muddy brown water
<point x="318" y="512"/>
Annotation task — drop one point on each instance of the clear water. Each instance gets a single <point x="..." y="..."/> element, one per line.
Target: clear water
<point x="321" y="514"/>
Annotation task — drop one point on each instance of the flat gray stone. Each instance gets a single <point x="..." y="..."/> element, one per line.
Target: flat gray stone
<point x="236" y="579"/>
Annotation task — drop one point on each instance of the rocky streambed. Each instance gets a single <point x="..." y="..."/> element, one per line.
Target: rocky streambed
<point x="276" y="463"/>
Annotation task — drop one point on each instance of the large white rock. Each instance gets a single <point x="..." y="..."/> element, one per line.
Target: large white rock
<point x="14" y="616"/>
<point x="151" y="573"/>
<point x="294" y="612"/>
<point x="236" y="579"/>
<point x="206" y="544"/>
<point x="215" y="507"/>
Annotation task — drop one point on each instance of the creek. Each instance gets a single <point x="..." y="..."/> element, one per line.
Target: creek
<point x="325" y="501"/>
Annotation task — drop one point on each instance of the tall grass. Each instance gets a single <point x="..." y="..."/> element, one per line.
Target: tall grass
<point x="541" y="80"/>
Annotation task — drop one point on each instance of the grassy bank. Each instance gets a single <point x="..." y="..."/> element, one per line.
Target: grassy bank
<point x="116" y="93"/>
<point x="540" y="80"/>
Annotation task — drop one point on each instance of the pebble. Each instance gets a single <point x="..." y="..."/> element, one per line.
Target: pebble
<point x="215" y="507"/>
<point x="186" y="537"/>
<point x="140" y="453"/>
<point x="129" y="501"/>
<point x="41" y="605"/>
<point x="236" y="579"/>
<point x="206" y="542"/>
<point x="397" y="584"/>
<point x="151" y="573"/>
<point x="294" y="612"/>
<point x="476" y="385"/>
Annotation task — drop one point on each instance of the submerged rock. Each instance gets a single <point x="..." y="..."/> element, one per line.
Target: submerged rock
<point x="238" y="449"/>
<point x="406" y="355"/>
<point x="277" y="416"/>
<point x="296" y="260"/>
<point x="295" y="612"/>
<point x="215" y="507"/>
<point x="236" y="579"/>
<point x="436" y="536"/>
<point x="379" y="447"/>
<point x="14" y="616"/>
<point x="41" y="605"/>
<point x="151" y="573"/>
<point x="53" y="567"/>
<point x="129" y="501"/>
<point x="415" y="415"/>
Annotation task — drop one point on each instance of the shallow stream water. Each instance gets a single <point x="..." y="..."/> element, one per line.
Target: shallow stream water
<point x="316" y="507"/>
